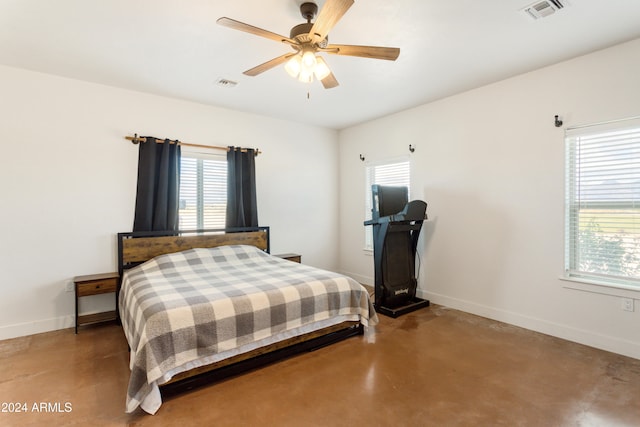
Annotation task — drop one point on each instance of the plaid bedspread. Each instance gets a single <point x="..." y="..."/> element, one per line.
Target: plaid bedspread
<point x="184" y="306"/>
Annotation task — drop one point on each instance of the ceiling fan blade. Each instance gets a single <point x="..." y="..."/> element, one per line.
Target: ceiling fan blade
<point x="376" y="52"/>
<point x="328" y="17"/>
<point x="237" y="25"/>
<point x="330" y="81"/>
<point x="268" y="65"/>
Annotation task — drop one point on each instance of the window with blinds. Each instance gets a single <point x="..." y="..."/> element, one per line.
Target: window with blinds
<point x="602" y="203"/>
<point x="396" y="172"/>
<point x="203" y="191"/>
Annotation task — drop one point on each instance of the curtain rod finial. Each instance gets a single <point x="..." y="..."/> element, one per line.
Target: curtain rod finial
<point x="134" y="139"/>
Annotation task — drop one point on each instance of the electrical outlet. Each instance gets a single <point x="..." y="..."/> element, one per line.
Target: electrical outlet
<point x="69" y="286"/>
<point x="627" y="304"/>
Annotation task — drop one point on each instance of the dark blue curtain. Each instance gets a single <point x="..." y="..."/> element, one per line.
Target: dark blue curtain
<point x="242" y="208"/>
<point x="158" y="186"/>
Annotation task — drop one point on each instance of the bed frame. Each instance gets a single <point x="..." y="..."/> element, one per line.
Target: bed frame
<point x="137" y="247"/>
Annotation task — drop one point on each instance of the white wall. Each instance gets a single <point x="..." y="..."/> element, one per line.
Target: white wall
<point x="68" y="181"/>
<point x="490" y="164"/>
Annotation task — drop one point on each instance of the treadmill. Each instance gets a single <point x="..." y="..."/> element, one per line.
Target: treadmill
<point x="396" y="226"/>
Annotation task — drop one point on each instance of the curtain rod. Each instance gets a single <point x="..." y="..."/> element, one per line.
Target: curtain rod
<point x="138" y="139"/>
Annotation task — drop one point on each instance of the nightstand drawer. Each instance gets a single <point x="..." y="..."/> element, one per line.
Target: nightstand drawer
<point x="96" y="287"/>
<point x="291" y="257"/>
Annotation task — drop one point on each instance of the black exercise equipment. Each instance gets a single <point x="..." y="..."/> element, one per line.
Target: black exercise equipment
<point x="396" y="228"/>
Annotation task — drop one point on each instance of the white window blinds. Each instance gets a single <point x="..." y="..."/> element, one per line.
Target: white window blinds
<point x="203" y="191"/>
<point x="396" y="172"/>
<point x="602" y="203"/>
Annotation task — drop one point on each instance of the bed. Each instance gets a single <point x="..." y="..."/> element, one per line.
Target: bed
<point x="196" y="303"/>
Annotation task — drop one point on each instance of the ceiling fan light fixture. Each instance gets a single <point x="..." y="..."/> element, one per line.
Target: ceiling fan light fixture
<point x="306" y="75"/>
<point x="309" y="59"/>
<point x="293" y="66"/>
<point x="321" y="69"/>
<point x="304" y="69"/>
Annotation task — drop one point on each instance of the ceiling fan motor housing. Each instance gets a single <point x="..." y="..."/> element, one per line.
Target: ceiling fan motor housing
<point x="300" y="33"/>
<point x="302" y="29"/>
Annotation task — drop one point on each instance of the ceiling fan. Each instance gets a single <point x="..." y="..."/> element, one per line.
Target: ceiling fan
<point x="308" y="39"/>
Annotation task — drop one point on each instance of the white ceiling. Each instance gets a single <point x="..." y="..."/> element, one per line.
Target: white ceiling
<point x="175" y="48"/>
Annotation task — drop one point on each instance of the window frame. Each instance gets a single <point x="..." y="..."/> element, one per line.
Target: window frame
<point x="574" y="277"/>
<point x="201" y="156"/>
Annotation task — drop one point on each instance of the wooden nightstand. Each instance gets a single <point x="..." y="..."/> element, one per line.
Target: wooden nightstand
<point x="291" y="257"/>
<point x="95" y="284"/>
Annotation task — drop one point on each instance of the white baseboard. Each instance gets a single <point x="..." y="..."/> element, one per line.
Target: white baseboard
<point x="581" y="336"/>
<point x="36" y="327"/>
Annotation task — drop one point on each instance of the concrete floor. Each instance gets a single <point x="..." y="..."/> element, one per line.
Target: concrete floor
<point x="434" y="367"/>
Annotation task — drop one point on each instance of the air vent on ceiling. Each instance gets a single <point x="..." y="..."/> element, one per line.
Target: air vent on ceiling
<point x="544" y="8"/>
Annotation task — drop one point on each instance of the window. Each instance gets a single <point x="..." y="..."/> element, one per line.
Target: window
<point x="383" y="173"/>
<point x="203" y="191"/>
<point x="602" y="203"/>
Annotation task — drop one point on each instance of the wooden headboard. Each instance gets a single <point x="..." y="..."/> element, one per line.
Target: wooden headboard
<point x="138" y="247"/>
